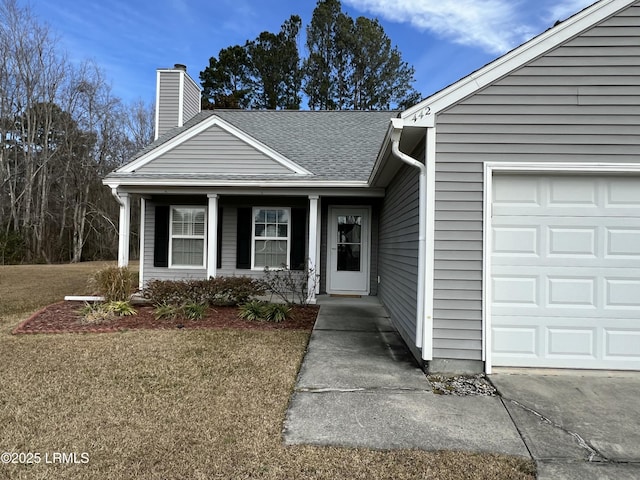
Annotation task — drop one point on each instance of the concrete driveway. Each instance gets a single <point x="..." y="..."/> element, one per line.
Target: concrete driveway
<point x="359" y="387"/>
<point x="576" y="425"/>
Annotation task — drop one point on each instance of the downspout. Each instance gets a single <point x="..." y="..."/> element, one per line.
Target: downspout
<point x="397" y="125"/>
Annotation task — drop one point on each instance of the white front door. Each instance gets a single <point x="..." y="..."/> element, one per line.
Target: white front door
<point x="348" y="256"/>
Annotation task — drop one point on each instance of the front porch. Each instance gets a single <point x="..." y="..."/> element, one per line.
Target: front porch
<point x="194" y="236"/>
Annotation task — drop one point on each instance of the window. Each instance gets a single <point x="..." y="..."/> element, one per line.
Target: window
<point x="187" y="238"/>
<point x="270" y="244"/>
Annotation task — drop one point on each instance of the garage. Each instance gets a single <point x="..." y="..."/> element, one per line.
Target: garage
<point x="565" y="271"/>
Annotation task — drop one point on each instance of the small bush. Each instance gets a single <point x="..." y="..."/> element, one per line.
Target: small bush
<point x="291" y="286"/>
<point x="120" y="308"/>
<point x="254" y="310"/>
<point x="95" y="313"/>
<point x="114" y="283"/>
<point x="166" y="311"/>
<point x="213" y="292"/>
<point x="264" y="312"/>
<point x="102" y="312"/>
<point x="194" y="311"/>
<point x="277" y="312"/>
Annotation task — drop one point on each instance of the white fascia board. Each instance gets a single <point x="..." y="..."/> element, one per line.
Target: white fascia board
<point x="157" y="110"/>
<point x="382" y="155"/>
<point x="169" y="183"/>
<point x="201" y="127"/>
<point x="358" y="192"/>
<point x="566" y="167"/>
<point x="424" y="112"/>
<point x="181" y="99"/>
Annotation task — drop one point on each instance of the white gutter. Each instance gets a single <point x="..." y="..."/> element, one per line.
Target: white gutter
<point x="397" y="125"/>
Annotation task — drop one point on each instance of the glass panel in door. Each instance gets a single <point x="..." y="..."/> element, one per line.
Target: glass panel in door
<point x="349" y="243"/>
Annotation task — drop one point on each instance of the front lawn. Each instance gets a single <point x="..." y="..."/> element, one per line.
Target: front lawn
<point x="173" y="404"/>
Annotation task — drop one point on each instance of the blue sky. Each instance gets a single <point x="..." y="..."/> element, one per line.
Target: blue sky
<point x="443" y="39"/>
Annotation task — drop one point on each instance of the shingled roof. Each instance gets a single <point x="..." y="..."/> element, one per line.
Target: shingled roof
<point x="332" y="145"/>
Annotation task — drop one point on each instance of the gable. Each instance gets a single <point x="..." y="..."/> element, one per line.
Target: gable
<point x="215" y="151"/>
<point x="579" y="26"/>
<point x="213" y="147"/>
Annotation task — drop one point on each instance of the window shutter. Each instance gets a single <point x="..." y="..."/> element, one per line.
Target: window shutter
<point x="243" y="239"/>
<point x="161" y="237"/>
<point x="297" y="258"/>
<point x="219" y="237"/>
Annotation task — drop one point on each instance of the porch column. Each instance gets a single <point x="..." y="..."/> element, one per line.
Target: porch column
<point x="212" y="234"/>
<point x="124" y="228"/>
<point x="312" y="262"/>
<point x="143" y="217"/>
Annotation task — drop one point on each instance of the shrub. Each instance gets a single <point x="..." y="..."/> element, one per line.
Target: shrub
<point x="214" y="291"/>
<point x="254" y="310"/>
<point x="114" y="283"/>
<point x="166" y="311"/>
<point x="120" y="308"/>
<point x="277" y="312"/>
<point x="194" y="311"/>
<point x="102" y="312"/>
<point x="291" y="286"/>
<point x="95" y="313"/>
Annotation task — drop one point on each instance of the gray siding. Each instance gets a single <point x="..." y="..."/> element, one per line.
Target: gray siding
<point x="580" y="102"/>
<point x="191" y="103"/>
<point x="168" y="101"/>
<point x="214" y="151"/>
<point x="398" y="251"/>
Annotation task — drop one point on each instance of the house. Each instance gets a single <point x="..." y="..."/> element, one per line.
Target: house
<point x="498" y="220"/>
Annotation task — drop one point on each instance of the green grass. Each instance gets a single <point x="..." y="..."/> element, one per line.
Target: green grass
<point x="175" y="404"/>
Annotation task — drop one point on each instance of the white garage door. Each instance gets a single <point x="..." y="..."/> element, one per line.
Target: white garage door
<point x="566" y="271"/>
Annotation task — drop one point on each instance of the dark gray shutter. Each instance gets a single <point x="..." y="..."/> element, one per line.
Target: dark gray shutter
<point x="219" y="236"/>
<point x="297" y="258"/>
<point x="161" y="237"/>
<point x="243" y="239"/>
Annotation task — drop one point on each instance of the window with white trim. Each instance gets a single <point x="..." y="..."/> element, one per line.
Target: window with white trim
<point x="187" y="236"/>
<point x="271" y="237"/>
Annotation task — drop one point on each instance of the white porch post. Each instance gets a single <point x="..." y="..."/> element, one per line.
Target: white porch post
<point x="143" y="216"/>
<point x="212" y="235"/>
<point x="312" y="262"/>
<point x="124" y="229"/>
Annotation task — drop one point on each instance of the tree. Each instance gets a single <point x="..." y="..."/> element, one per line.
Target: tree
<point x="379" y="76"/>
<point x="61" y="130"/>
<point x="264" y="73"/>
<point x="275" y="67"/>
<point x="323" y="34"/>
<point x="227" y="81"/>
<point x="351" y="64"/>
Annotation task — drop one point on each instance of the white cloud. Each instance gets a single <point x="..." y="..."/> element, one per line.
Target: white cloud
<point x="563" y="10"/>
<point x="495" y="26"/>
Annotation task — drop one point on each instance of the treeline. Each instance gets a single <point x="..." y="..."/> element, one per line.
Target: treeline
<point x="351" y="65"/>
<point x="61" y="131"/>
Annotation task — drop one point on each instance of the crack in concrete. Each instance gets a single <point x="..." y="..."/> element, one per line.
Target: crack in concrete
<point x="360" y="389"/>
<point x="594" y="454"/>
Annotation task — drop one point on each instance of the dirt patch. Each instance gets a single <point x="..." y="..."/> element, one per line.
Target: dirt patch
<point x="64" y="317"/>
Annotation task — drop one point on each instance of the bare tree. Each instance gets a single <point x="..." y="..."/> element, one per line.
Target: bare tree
<point x="61" y="131"/>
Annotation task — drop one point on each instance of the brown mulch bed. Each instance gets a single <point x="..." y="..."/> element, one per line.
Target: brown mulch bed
<point x="63" y="317"/>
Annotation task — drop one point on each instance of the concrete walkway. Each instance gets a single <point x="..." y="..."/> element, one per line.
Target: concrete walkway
<point x="359" y="387"/>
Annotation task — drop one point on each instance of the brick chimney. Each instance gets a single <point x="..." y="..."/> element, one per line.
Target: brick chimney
<point x="177" y="98"/>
